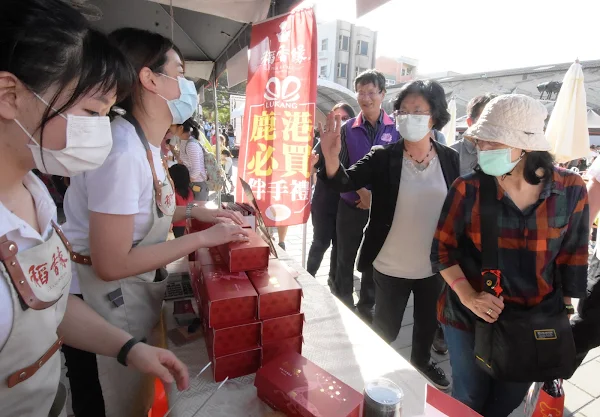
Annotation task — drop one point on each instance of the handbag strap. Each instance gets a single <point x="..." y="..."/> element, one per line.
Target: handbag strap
<point x="489" y="208"/>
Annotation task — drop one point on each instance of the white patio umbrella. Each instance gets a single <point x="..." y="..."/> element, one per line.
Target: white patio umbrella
<point x="449" y="130"/>
<point x="567" y="129"/>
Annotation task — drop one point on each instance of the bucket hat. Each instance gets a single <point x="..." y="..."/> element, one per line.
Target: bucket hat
<point x="515" y="120"/>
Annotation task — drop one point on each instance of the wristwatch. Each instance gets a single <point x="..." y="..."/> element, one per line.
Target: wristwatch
<point x="188" y="210"/>
<point x="570" y="309"/>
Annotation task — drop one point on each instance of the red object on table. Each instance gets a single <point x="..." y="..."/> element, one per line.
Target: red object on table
<point x="278" y="292"/>
<point x="297" y="387"/>
<point x="246" y="256"/>
<point x="206" y="256"/>
<point x="227" y="298"/>
<point x="237" y="364"/>
<point x="282" y="327"/>
<point x="236" y="339"/>
<point x="447" y="405"/>
<point x="274" y="349"/>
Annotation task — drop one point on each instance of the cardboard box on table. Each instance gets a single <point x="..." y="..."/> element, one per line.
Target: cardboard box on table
<point x="234" y="351"/>
<point x="274" y="349"/>
<point x="246" y="256"/>
<point x="228" y="298"/>
<point x="297" y="387"/>
<point x="278" y="292"/>
<point x="281" y="328"/>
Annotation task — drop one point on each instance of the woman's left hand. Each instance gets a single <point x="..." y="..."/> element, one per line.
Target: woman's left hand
<point x="159" y="362"/>
<point x="216" y="216"/>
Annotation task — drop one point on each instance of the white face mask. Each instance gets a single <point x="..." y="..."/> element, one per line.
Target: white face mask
<point x="412" y="127"/>
<point x="89" y="141"/>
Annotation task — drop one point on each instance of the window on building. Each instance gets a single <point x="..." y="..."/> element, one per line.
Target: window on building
<point x="324" y="44"/>
<point x="358" y="70"/>
<point x="403" y="72"/>
<point x="324" y="70"/>
<point x="342" y="70"/>
<point x="362" y="48"/>
<point x="343" y="43"/>
<point x="389" y="81"/>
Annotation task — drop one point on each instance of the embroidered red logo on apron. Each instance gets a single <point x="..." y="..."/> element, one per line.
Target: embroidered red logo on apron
<point x="38" y="274"/>
<point x="59" y="262"/>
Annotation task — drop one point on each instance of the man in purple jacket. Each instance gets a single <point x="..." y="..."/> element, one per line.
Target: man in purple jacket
<point x="370" y="128"/>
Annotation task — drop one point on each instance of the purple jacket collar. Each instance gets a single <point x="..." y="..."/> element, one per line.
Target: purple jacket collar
<point x="383" y="118"/>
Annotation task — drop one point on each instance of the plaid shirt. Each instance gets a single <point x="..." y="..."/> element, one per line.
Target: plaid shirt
<point x="546" y="243"/>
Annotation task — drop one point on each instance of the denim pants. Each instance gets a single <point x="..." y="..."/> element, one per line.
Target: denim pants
<point x="472" y="386"/>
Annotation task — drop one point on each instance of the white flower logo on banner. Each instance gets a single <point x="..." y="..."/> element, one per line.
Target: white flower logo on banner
<point x="283" y="91"/>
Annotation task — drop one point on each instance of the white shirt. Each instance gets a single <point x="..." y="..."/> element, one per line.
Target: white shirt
<point x="123" y="185"/>
<point x="26" y="237"/>
<point x="421" y="195"/>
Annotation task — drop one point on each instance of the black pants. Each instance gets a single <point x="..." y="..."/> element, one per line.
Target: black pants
<point x="586" y="327"/>
<point x="178" y="231"/>
<point x="391" y="297"/>
<point x="323" y="220"/>
<point x="350" y="225"/>
<point x="86" y="392"/>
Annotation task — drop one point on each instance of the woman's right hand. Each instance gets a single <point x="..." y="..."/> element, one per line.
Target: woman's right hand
<point x="331" y="138"/>
<point x="484" y="305"/>
<point x="222" y="233"/>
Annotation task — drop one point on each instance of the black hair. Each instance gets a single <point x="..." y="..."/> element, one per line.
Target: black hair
<point x="346" y="107"/>
<point x="144" y="49"/>
<point x="477" y="104"/>
<point x="181" y="179"/>
<point x="226" y="153"/>
<point x="533" y="162"/>
<point x="433" y="92"/>
<point x="47" y="43"/>
<point x="190" y="126"/>
<point x="370" y="77"/>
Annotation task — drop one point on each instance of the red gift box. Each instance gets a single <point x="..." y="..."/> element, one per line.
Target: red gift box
<point x="206" y="256"/>
<point x="278" y="292"/>
<point x="228" y="298"/>
<point x="196" y="282"/>
<point x="236" y="364"/>
<point x="221" y="342"/>
<point x="297" y="387"/>
<point x="246" y="256"/>
<point x="282" y="327"/>
<point x="272" y="350"/>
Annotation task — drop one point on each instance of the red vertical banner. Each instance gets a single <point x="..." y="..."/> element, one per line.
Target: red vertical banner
<point x="281" y="98"/>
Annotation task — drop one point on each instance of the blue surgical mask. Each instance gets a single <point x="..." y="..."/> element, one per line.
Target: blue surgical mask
<point x="182" y="108"/>
<point x="496" y="162"/>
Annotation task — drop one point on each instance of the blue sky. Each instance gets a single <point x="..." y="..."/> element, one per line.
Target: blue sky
<point x="479" y="35"/>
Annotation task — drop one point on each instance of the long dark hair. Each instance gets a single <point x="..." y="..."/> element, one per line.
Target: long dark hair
<point x="48" y="44"/>
<point x="181" y="179"/>
<point x="535" y="160"/>
<point x="144" y="49"/>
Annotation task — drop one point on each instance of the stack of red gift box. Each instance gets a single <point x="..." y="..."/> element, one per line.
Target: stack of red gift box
<point x="250" y="305"/>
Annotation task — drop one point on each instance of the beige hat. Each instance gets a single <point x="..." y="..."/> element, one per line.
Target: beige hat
<point x="514" y="120"/>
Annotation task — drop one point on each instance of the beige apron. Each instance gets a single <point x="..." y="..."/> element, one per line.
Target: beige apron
<point x="39" y="280"/>
<point x="133" y="304"/>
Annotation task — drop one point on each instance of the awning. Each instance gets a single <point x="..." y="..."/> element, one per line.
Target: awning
<point x="208" y="32"/>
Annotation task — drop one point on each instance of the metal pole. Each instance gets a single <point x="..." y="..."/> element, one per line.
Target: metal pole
<point x="218" y="142"/>
<point x="304" y="228"/>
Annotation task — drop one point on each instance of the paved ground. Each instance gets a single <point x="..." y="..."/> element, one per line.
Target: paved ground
<point x="582" y="390"/>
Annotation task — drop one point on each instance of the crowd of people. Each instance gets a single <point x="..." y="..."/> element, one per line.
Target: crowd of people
<point x="487" y="234"/>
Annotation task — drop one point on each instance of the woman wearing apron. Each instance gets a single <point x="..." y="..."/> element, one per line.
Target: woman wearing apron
<point x="119" y="216"/>
<point x="58" y="80"/>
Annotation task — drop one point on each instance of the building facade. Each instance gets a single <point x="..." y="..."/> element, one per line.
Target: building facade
<point x="345" y="50"/>
<point x="397" y="70"/>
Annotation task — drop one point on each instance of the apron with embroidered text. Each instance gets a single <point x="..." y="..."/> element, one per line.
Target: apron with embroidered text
<point x="38" y="279"/>
<point x="133" y="304"/>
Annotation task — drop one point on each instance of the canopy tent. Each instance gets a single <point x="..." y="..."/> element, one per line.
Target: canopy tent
<point x="208" y="32"/>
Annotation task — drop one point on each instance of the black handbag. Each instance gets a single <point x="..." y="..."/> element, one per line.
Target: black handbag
<point x="525" y="344"/>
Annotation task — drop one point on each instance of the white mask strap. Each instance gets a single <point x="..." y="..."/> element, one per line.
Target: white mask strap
<point x="26" y="132"/>
<point x="48" y="105"/>
<point x="165" y="75"/>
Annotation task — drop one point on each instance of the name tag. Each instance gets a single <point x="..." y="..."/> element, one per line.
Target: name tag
<point x="545" y="334"/>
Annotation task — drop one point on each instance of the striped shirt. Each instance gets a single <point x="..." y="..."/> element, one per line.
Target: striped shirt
<point x="543" y="245"/>
<point x="192" y="157"/>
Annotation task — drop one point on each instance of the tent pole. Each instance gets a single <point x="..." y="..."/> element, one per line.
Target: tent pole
<point x="217" y="141"/>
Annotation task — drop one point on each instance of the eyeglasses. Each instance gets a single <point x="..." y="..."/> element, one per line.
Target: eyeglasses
<point x="345" y="118"/>
<point x="371" y="95"/>
<point x="415" y="113"/>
